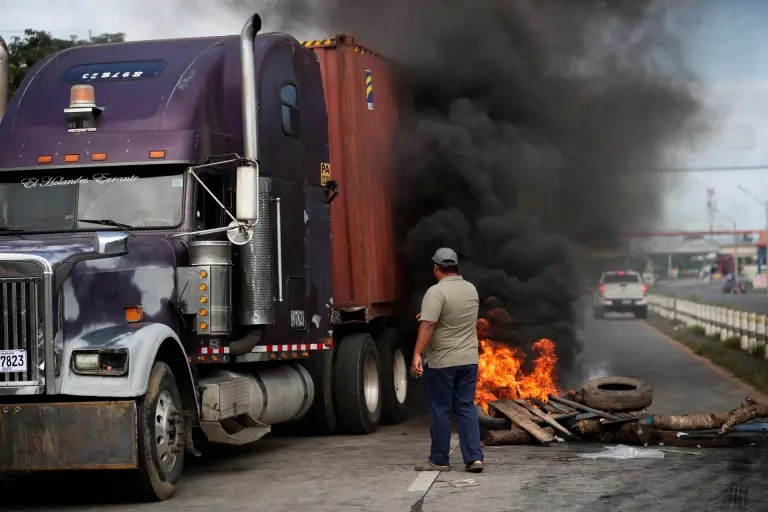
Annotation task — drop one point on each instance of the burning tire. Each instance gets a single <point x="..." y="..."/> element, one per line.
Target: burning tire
<point x="161" y="431"/>
<point x="617" y="394"/>
<point x="394" y="377"/>
<point x="358" y="384"/>
<point x="321" y="417"/>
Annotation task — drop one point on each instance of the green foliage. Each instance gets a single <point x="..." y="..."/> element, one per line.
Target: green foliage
<point x="696" y="329"/>
<point x="757" y="350"/>
<point x="27" y="51"/>
<point x="733" y="342"/>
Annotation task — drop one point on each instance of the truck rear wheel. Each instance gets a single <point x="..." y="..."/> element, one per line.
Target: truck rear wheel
<point x="161" y="436"/>
<point x="394" y="377"/>
<point x="358" y="384"/>
<point x="321" y="418"/>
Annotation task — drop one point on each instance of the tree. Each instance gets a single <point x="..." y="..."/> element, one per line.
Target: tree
<point x="27" y="51"/>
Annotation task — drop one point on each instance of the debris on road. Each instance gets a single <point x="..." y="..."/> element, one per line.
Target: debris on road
<point x="612" y="410"/>
<point x="468" y="482"/>
<point x="624" y="452"/>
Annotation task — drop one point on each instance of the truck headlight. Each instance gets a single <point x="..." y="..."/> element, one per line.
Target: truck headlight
<point x="109" y="363"/>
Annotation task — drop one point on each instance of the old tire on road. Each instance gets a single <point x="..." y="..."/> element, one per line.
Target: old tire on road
<point x="394" y="377"/>
<point x="357" y="384"/>
<point x="617" y="394"/>
<point x="161" y="432"/>
<point x="598" y="313"/>
<point x="488" y="422"/>
<point x="321" y="417"/>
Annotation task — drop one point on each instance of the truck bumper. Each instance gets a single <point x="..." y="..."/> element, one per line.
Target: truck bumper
<point x="61" y="436"/>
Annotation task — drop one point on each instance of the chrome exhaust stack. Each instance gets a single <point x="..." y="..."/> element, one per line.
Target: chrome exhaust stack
<point x="5" y="76"/>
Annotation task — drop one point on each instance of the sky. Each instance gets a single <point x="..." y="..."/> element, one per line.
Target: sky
<point x="724" y="42"/>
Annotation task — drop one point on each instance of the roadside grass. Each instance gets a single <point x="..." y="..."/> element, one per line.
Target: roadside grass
<point x="751" y="367"/>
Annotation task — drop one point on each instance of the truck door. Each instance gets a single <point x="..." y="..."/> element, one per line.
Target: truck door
<point x="280" y="153"/>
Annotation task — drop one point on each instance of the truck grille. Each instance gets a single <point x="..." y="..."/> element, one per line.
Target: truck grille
<point x="19" y="325"/>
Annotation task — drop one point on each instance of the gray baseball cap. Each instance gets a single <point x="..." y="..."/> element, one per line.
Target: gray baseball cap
<point x="446" y="257"/>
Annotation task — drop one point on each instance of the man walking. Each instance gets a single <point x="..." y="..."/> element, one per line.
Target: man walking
<point x="447" y="340"/>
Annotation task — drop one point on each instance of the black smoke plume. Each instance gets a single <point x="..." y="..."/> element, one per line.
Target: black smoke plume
<point x="533" y="129"/>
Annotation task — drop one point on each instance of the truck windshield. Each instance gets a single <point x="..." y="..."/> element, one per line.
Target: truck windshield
<point x="55" y="201"/>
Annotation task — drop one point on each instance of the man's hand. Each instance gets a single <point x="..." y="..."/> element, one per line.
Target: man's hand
<point x="416" y="366"/>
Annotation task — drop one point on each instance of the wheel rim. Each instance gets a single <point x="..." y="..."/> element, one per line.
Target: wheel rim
<point x="166" y="432"/>
<point x="371" y="383"/>
<point x="400" y="376"/>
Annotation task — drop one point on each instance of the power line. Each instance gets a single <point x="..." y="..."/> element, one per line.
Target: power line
<point x="717" y="168"/>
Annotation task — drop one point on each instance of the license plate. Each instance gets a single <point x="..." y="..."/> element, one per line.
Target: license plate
<point x="12" y="361"/>
<point x="626" y="302"/>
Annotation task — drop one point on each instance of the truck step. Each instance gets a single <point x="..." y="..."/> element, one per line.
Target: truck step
<point x="244" y="431"/>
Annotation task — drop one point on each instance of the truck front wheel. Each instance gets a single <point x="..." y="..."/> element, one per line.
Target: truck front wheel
<point x="321" y="417"/>
<point x="161" y="436"/>
<point x="358" y="384"/>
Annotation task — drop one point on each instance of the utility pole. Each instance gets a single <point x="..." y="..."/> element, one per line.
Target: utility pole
<point x="712" y="207"/>
<point x="735" y="253"/>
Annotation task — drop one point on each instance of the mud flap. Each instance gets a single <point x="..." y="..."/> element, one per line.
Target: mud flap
<point x="81" y="435"/>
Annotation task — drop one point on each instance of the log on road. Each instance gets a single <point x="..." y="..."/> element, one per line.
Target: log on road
<point x="724" y="421"/>
<point x="515" y="435"/>
<point x="749" y="411"/>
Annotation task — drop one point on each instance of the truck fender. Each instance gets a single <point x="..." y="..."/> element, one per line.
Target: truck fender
<point x="143" y="342"/>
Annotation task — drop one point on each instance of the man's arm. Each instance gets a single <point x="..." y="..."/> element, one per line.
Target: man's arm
<point x="426" y="330"/>
<point x="431" y="308"/>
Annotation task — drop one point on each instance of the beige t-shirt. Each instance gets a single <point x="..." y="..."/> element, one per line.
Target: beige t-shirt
<point x="452" y="303"/>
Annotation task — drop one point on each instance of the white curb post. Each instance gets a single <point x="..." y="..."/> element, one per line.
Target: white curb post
<point x="743" y="330"/>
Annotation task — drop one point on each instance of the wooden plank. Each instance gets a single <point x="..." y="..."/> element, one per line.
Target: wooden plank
<point x="582" y="407"/>
<point x="520" y="417"/>
<point x="548" y="407"/>
<point x="547" y="419"/>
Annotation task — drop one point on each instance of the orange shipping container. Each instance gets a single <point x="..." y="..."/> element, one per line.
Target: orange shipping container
<point x="361" y="97"/>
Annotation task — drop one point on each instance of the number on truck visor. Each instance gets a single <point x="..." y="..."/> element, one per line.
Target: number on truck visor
<point x="113" y="71"/>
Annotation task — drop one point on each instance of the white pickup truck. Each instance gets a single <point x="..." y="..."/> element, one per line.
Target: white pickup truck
<point x="621" y="292"/>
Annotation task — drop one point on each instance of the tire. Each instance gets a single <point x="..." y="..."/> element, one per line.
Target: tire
<point x="358" y="384"/>
<point x="321" y="417"/>
<point x="642" y="313"/>
<point x="617" y="394"/>
<point x="491" y="423"/>
<point x="159" y="416"/>
<point x="598" y="313"/>
<point x="394" y="377"/>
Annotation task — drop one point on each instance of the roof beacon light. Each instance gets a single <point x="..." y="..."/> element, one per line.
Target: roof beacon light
<point x="82" y="95"/>
<point x="82" y="111"/>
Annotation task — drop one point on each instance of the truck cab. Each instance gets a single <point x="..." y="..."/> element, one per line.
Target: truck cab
<point x="166" y="258"/>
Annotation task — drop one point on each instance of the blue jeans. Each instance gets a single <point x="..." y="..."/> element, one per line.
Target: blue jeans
<point x="452" y="390"/>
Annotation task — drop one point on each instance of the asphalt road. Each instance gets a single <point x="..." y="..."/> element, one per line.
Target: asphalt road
<point x="374" y="473"/>
<point x="754" y="300"/>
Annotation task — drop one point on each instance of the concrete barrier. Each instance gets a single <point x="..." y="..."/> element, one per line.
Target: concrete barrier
<point x="749" y="330"/>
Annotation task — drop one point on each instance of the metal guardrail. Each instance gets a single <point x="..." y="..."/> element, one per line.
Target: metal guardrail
<point x="717" y="321"/>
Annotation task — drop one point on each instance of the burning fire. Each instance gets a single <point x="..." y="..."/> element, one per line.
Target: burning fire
<point x="500" y="372"/>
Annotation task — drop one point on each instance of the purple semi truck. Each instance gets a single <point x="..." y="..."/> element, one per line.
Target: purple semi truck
<point x="166" y="258"/>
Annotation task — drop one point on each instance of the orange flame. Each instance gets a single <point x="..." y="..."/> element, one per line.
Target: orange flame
<point x="500" y="372"/>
